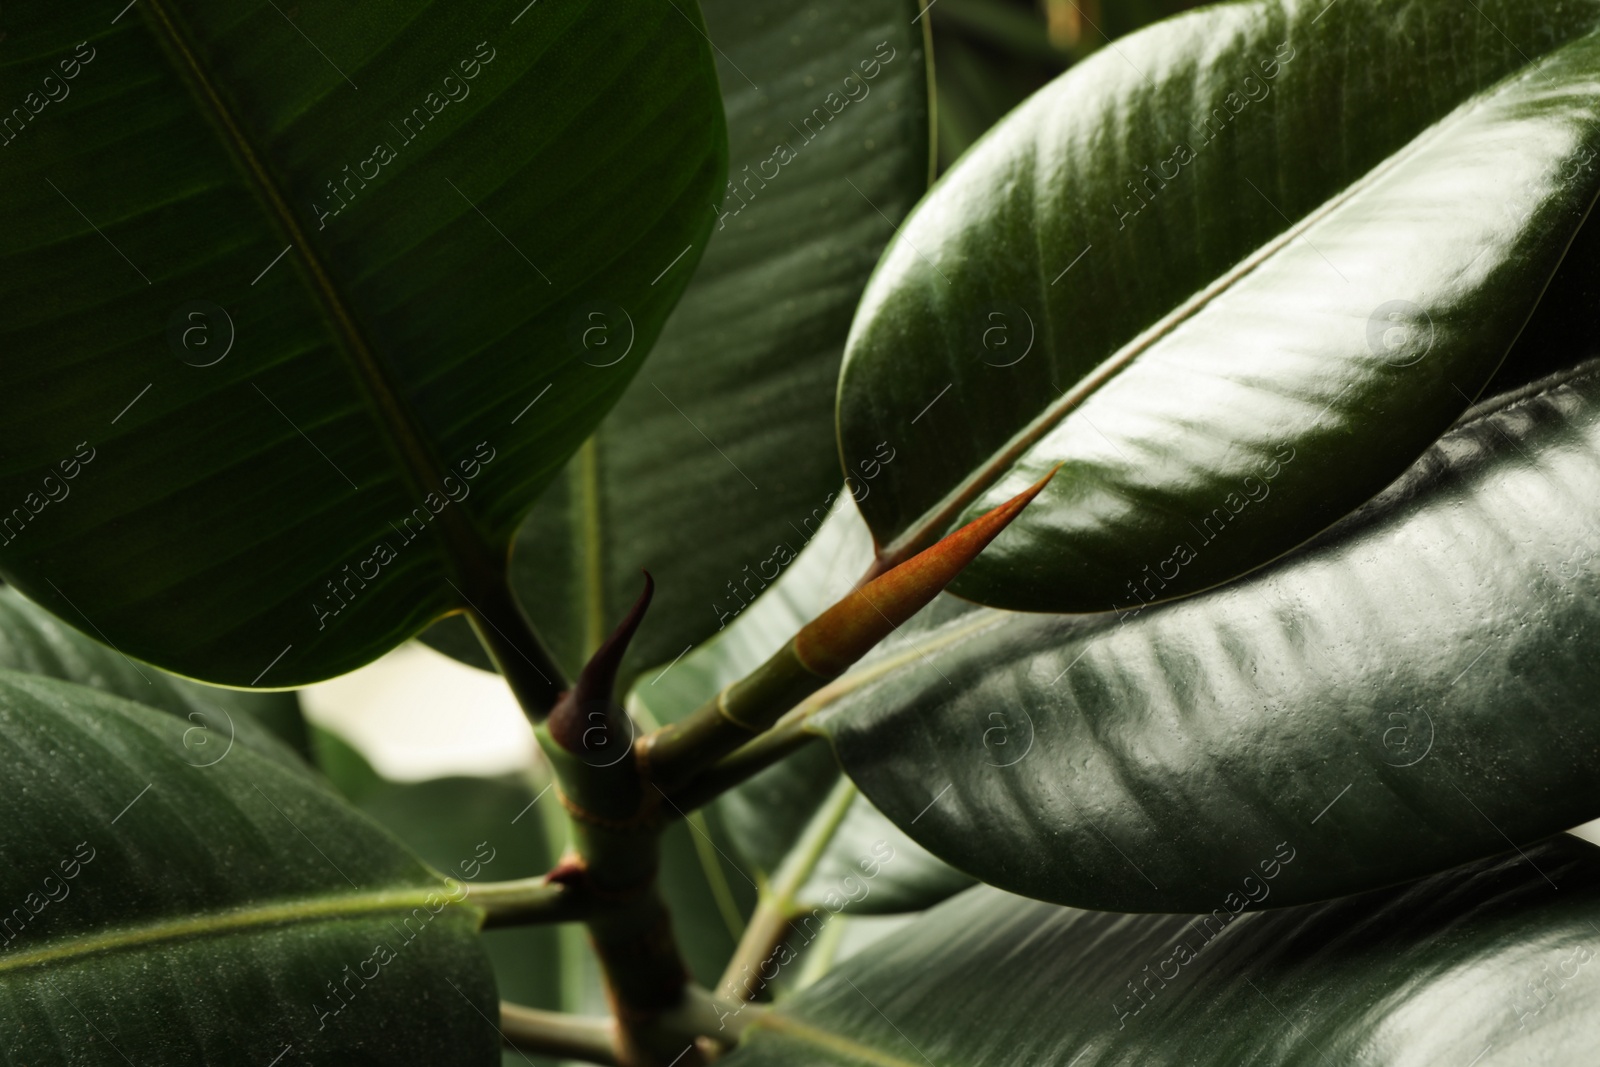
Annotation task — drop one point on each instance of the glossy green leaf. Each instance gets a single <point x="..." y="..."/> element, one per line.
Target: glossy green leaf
<point x="1234" y="274"/>
<point x="1408" y="692"/>
<point x="1488" y="965"/>
<point x="163" y="912"/>
<point x="719" y="462"/>
<point x="297" y="300"/>
<point x="799" y="828"/>
<point x="35" y="642"/>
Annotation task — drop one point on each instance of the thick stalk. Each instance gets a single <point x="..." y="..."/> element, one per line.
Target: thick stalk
<point x="616" y="836"/>
<point x="740" y="712"/>
<point x="613" y="788"/>
<point x="616" y="829"/>
<point x="551" y="1033"/>
<point x="777" y="744"/>
<point x="791" y="731"/>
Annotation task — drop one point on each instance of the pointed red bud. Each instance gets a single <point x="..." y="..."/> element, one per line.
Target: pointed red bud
<point x="852" y="627"/>
<point x="585" y="716"/>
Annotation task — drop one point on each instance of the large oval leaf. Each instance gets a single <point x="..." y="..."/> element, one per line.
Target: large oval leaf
<point x="1488" y="965"/>
<point x="1235" y="274"/>
<point x="716" y="466"/>
<point x="282" y="343"/>
<point x="163" y="912"/>
<point x="1412" y="690"/>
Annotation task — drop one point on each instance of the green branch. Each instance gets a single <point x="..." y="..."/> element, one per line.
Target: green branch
<point x="551" y="1033"/>
<point x="769" y="925"/>
<point x="527" y="901"/>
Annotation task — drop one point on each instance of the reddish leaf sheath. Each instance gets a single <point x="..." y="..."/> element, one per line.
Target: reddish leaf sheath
<point x="852" y="627"/>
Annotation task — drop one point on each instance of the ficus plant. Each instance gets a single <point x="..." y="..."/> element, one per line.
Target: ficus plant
<point x="1181" y="519"/>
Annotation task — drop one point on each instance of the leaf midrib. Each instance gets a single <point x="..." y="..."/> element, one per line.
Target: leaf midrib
<point x="212" y="924"/>
<point x="418" y="467"/>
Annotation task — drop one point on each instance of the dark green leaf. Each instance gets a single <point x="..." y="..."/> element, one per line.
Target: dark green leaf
<point x="491" y="830"/>
<point x="161" y="912"/>
<point x="708" y="891"/>
<point x="1488" y="965"/>
<point x="36" y="642"/>
<point x="1408" y="692"/>
<point x="257" y="436"/>
<point x="719" y="462"/>
<point x="1235" y="274"/>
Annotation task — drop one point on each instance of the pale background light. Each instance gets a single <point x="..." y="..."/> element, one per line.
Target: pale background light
<point x="417" y="714"/>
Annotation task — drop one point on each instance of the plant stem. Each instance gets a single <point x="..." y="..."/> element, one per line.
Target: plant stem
<point x="616" y="829"/>
<point x="526" y="901"/>
<point x="741" y="711"/>
<point x="550" y="1033"/>
<point x="514" y="645"/>
<point x="609" y="877"/>
<point x="769" y="924"/>
<point x="704" y="1015"/>
<point x="791" y="733"/>
<point x="616" y="825"/>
